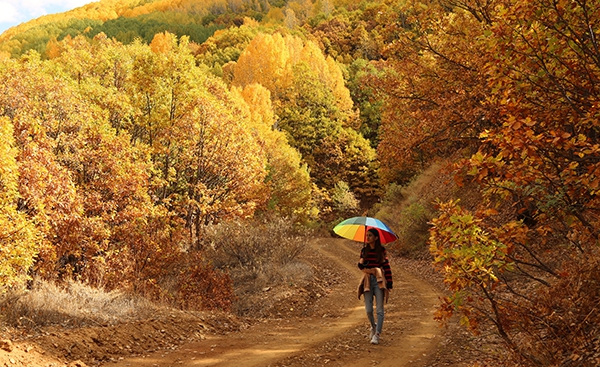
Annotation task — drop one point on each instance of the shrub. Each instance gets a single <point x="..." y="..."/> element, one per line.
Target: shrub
<point x="259" y="254"/>
<point x="200" y="285"/>
<point x="343" y="199"/>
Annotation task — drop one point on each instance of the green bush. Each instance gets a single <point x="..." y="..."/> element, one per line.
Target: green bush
<point x="343" y="199"/>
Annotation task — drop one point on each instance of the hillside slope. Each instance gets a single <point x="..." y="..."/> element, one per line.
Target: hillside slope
<point x="320" y="324"/>
<point x="127" y="20"/>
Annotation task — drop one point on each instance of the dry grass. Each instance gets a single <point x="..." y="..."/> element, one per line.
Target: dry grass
<point x="259" y="254"/>
<point x="74" y="304"/>
<point x="256" y="255"/>
<point x="408" y="209"/>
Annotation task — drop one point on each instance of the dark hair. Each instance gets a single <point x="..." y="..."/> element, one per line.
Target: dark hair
<point x="378" y="246"/>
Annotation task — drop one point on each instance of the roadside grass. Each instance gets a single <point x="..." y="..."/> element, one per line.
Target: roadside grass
<point x="71" y="305"/>
<point x="409" y="209"/>
<point x="259" y="255"/>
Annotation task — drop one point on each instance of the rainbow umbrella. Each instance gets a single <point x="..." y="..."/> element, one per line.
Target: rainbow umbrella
<point x="356" y="229"/>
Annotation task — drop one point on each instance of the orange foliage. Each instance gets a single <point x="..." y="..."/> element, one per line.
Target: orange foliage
<point x="162" y="43"/>
<point x="434" y="88"/>
<point x="538" y="168"/>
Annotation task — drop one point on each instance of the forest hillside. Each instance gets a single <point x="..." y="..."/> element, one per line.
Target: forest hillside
<point x="156" y="146"/>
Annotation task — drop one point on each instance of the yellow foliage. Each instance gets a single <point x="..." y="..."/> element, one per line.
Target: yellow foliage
<point x="274" y="16"/>
<point x="250" y="22"/>
<point x="163" y="42"/>
<point x="266" y="61"/>
<point x="288" y="179"/>
<point x="269" y="60"/>
<point x="17" y="235"/>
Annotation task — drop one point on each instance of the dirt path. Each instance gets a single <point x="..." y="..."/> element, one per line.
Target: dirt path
<point x="335" y="335"/>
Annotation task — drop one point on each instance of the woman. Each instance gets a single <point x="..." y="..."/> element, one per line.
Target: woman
<point x="377" y="280"/>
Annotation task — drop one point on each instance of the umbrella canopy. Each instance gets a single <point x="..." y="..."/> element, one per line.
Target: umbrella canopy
<point x="355" y="229"/>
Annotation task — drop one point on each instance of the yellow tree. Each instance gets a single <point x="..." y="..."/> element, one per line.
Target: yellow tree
<point x="84" y="184"/>
<point x="91" y="170"/>
<point x="226" y="45"/>
<point x="208" y="166"/>
<point x="18" y="236"/>
<point x="39" y="106"/>
<point x="157" y="97"/>
<point x="287" y="178"/>
<point x="312" y="106"/>
<point x="266" y="61"/>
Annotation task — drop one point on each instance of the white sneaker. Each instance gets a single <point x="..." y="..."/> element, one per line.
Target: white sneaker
<point x="375" y="339"/>
<point x="373" y="332"/>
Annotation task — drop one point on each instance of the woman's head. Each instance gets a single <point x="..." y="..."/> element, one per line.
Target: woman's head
<point x="373" y="237"/>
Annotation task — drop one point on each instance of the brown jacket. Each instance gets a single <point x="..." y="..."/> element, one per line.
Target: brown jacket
<point x="365" y="282"/>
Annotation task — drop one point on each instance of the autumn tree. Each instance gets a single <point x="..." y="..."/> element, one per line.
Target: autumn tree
<point x="432" y="85"/>
<point x="83" y="184"/>
<point x="207" y="164"/>
<point x="92" y="169"/>
<point x="38" y="108"/>
<point x="313" y="107"/>
<point x="529" y="273"/>
<point x="349" y="35"/>
<point x="19" y="239"/>
<point x="288" y="179"/>
<point x="226" y="45"/>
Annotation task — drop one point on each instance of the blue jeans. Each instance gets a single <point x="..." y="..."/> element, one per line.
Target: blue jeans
<point x="378" y="293"/>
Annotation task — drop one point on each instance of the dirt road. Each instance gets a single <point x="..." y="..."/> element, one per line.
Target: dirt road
<point x="335" y="335"/>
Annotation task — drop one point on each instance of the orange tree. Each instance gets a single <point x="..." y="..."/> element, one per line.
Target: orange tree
<point x="39" y="107"/>
<point x="111" y="175"/>
<point x="182" y="116"/>
<point x="83" y="185"/>
<point x="431" y="84"/>
<point x="531" y="275"/>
